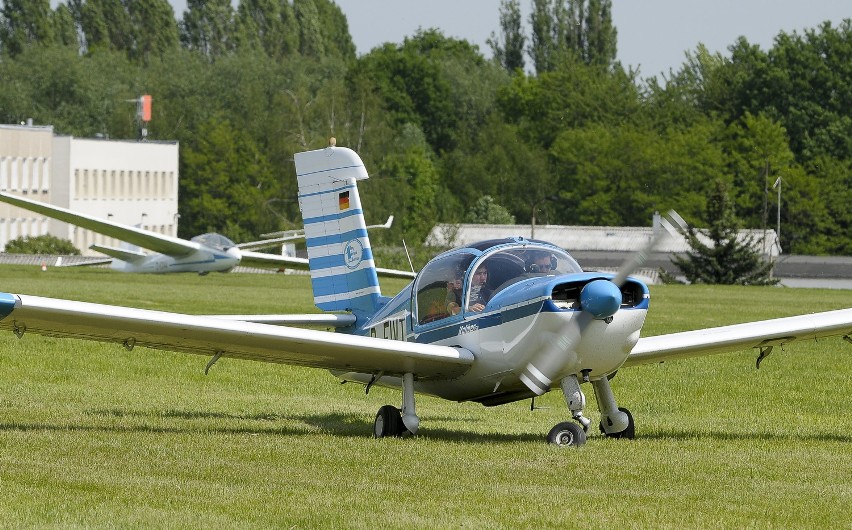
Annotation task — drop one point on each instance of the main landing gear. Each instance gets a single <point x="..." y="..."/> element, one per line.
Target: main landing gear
<point x="391" y="421"/>
<point x="616" y="422"/>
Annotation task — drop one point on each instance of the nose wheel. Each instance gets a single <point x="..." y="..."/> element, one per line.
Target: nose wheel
<point x="567" y="434"/>
<point x="628" y="433"/>
<point x="616" y="422"/>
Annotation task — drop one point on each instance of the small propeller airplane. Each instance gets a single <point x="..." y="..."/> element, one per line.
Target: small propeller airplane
<point x="493" y="322"/>
<point x="203" y="254"/>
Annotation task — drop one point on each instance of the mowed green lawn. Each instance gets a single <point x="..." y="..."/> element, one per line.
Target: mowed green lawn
<point x="92" y="435"/>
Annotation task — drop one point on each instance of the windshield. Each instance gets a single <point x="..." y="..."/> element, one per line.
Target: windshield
<point x="213" y="240"/>
<point x="454" y="282"/>
<point x="503" y="268"/>
<point x="439" y="287"/>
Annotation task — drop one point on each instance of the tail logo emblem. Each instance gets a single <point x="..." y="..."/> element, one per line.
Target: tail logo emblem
<point x="353" y="253"/>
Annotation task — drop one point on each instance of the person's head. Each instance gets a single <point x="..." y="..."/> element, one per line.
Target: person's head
<point x="541" y="262"/>
<point x="480" y="276"/>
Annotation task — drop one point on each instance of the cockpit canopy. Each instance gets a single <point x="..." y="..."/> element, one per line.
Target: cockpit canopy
<point x="465" y="279"/>
<point x="213" y="240"/>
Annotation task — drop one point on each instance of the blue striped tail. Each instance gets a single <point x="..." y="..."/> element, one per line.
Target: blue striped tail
<point x="343" y="273"/>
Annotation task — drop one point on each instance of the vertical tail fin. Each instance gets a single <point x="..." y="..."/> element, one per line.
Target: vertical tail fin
<point x="343" y="273"/>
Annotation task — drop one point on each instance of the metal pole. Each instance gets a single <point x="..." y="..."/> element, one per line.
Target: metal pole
<point x="778" y="221"/>
<point x="779" y="216"/>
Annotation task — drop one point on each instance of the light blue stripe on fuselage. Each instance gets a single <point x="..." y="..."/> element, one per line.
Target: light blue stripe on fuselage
<point x="491" y="319"/>
<point x="216" y="257"/>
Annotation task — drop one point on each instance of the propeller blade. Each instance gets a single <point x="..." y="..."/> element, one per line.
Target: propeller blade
<point x="671" y="223"/>
<point x="599" y="300"/>
<point x="539" y="372"/>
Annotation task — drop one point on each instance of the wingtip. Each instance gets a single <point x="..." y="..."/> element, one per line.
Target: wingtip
<point x="8" y="302"/>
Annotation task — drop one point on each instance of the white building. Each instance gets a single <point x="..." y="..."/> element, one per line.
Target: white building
<point x="134" y="183"/>
<point x="602" y="248"/>
<point x="603" y="239"/>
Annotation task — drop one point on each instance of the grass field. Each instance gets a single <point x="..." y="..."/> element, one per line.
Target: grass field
<point x="92" y="435"/>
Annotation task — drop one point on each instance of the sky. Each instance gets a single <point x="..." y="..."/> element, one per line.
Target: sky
<point x="653" y="35"/>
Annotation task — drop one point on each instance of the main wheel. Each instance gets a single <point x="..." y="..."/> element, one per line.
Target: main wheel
<point x="388" y="422"/>
<point x="629" y="433"/>
<point x="567" y="434"/>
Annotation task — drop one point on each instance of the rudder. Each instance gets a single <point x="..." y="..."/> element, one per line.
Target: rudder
<point x="343" y="273"/>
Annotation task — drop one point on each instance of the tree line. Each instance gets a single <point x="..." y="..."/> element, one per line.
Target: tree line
<point x="552" y="129"/>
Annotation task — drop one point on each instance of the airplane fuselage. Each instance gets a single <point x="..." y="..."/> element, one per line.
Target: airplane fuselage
<point x="203" y="260"/>
<point x="516" y="324"/>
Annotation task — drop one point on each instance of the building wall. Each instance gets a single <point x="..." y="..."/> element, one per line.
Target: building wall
<point x="25" y="169"/>
<point x="134" y="183"/>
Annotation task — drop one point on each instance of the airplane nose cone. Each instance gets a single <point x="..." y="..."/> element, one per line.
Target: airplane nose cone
<point x="600" y="298"/>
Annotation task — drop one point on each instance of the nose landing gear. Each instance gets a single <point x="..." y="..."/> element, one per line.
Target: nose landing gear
<point x="616" y="422"/>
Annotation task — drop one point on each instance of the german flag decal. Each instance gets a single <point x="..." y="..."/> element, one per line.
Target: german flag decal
<point x="344" y="200"/>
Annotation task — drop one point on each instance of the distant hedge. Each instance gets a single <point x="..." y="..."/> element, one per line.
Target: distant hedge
<point x="46" y="244"/>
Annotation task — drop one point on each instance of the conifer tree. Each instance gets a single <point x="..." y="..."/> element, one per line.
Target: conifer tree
<point x="727" y="259"/>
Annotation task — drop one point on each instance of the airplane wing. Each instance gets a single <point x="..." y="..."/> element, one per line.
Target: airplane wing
<point x="761" y="335"/>
<point x="259" y="259"/>
<point x="171" y="246"/>
<point x="219" y="337"/>
<point x="294" y="235"/>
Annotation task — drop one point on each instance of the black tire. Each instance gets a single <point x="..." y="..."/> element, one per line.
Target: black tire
<point x="567" y="434"/>
<point x="388" y="422"/>
<point x="628" y="434"/>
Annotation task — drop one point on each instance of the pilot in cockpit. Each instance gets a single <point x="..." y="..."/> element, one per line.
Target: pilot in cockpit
<point x="541" y="262"/>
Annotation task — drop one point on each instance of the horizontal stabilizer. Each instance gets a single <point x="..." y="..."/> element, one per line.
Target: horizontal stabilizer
<point x="87" y="263"/>
<point x="130" y="256"/>
<point x="260" y="259"/>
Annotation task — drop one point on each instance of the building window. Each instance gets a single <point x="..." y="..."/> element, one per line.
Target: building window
<point x="45" y="174"/>
<point x="14" y="170"/>
<point x="25" y="174"/>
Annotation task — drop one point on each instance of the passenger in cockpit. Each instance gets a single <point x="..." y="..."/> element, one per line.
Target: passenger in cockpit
<point x="454" y="295"/>
<point x="480" y="292"/>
